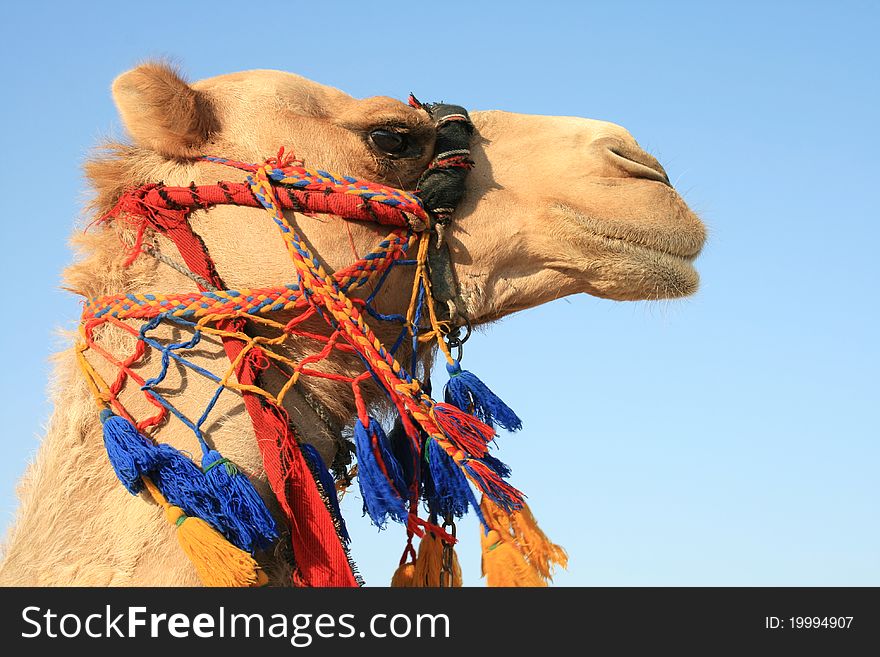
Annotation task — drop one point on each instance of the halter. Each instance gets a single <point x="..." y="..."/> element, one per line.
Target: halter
<point x="439" y="449"/>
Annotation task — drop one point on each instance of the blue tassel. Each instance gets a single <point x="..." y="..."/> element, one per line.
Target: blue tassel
<point x="497" y="465"/>
<point x="404" y="454"/>
<point x="130" y="453"/>
<point x="133" y="455"/>
<point x="240" y="503"/>
<point x="183" y="484"/>
<point x="451" y="491"/>
<point x="382" y="497"/>
<point x="471" y="395"/>
<point x="479" y="511"/>
<point x="313" y="458"/>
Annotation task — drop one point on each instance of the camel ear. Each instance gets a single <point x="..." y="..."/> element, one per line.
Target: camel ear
<point x="162" y="112"/>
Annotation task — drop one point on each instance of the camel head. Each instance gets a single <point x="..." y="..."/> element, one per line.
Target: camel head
<point x="554" y="206"/>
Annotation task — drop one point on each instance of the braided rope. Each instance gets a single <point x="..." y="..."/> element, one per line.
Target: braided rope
<point x="246" y="301"/>
<point x="206" y="308"/>
<point x="351" y="321"/>
<point x="275" y="186"/>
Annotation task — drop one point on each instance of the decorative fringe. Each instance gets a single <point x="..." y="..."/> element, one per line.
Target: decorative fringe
<point x="379" y="475"/>
<point x="313" y="457"/>
<point x="500" y="468"/>
<point x="504" y="565"/>
<point x="403" y="576"/>
<point x="134" y="457"/>
<point x="497" y="465"/>
<point x="449" y="492"/>
<point x="518" y="533"/>
<point x="405" y="454"/>
<point x="490" y="483"/>
<point x="464" y="431"/>
<point x="216" y="560"/>
<point x="542" y="553"/>
<point x="240" y="503"/>
<point x="429" y="563"/>
<point x="471" y="395"/>
<point x="130" y="453"/>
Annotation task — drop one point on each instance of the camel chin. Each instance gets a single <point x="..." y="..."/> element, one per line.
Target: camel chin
<point x="631" y="272"/>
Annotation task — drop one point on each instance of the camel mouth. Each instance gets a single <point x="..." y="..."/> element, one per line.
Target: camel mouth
<point x="670" y="251"/>
<point x="683" y="240"/>
<point x="633" y="262"/>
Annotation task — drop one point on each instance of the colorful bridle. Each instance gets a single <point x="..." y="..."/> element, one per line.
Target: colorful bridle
<point x="438" y="451"/>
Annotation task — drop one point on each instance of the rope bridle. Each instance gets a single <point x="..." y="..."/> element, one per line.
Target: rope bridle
<point x="454" y="442"/>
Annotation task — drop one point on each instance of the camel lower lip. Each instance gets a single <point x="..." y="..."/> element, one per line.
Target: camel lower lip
<point x="633" y="271"/>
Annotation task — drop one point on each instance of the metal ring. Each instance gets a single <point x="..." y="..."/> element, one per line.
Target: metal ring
<point x="455" y="345"/>
<point x="468" y="330"/>
<point x="454" y="339"/>
<point x="447" y="560"/>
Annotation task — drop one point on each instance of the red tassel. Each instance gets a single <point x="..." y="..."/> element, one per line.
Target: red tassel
<point x="464" y="431"/>
<point x="491" y="484"/>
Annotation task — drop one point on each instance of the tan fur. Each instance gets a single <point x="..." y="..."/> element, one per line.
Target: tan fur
<point x="162" y="112"/>
<point x="555" y="206"/>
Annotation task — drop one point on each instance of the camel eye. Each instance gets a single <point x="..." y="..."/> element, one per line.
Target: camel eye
<point x="388" y="141"/>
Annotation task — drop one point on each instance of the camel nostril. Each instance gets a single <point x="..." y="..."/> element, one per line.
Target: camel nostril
<point x="637" y="163"/>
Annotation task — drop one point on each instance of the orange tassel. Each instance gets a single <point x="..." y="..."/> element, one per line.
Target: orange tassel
<point x="429" y="563"/>
<point x="504" y="564"/>
<point x="520" y="532"/>
<point x="217" y="561"/>
<point x="404" y="575"/>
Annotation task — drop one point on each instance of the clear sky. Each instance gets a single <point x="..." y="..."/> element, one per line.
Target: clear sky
<point x="728" y="439"/>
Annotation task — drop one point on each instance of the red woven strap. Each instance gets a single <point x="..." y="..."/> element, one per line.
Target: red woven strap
<point x="350" y="206"/>
<point x="320" y="557"/>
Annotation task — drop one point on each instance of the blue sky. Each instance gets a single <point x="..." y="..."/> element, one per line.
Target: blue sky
<point x="727" y="439"/>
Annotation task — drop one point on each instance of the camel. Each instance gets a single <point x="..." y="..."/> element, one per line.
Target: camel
<point x="554" y="206"/>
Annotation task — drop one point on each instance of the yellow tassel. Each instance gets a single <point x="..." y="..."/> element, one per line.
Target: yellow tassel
<point x="541" y="552"/>
<point x="429" y="562"/>
<point x="520" y="530"/>
<point x="403" y="576"/>
<point x="504" y="564"/>
<point x="217" y="561"/>
<point x="457" y="581"/>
